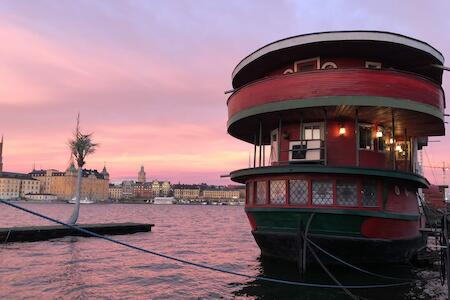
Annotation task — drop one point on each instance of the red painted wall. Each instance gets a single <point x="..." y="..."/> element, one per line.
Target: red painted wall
<point x="341" y="149"/>
<point x="340" y="82"/>
<point x="389" y="228"/>
<point x="372" y="159"/>
<point x="406" y="202"/>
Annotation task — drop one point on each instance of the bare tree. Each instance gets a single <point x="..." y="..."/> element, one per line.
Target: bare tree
<point x="81" y="145"/>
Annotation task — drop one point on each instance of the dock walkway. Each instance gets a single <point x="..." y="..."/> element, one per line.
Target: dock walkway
<point x="42" y="233"/>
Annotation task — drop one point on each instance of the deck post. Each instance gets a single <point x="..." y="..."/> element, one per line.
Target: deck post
<point x="357" y="136"/>
<point x="394" y="165"/>
<point x="279" y="140"/>
<point x="254" y="152"/>
<point x="325" y="133"/>
<point x="260" y="142"/>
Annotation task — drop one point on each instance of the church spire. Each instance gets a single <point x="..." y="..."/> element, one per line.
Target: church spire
<point x="1" y="155"/>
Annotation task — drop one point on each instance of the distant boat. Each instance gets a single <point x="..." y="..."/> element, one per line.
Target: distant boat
<point x="163" y="200"/>
<point x="82" y="201"/>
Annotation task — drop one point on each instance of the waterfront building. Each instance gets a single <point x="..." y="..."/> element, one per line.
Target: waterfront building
<point x="17" y="185"/>
<point x="156" y="188"/>
<point x="165" y="188"/>
<point x="115" y="192"/>
<point x="143" y="190"/>
<point x="184" y="191"/>
<point x="94" y="185"/>
<point x="343" y="116"/>
<point x="127" y="189"/>
<point x="41" y="197"/>
<point x="141" y="175"/>
<point x="220" y="194"/>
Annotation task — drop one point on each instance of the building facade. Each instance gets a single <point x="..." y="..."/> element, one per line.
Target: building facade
<point x="115" y="192"/>
<point x="17" y="185"/>
<point x="221" y="194"/>
<point x="41" y="197"/>
<point x="94" y="185"/>
<point x="184" y="191"/>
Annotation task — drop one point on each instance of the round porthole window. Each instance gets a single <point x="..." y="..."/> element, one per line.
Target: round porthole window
<point x="406" y="192"/>
<point x="397" y="190"/>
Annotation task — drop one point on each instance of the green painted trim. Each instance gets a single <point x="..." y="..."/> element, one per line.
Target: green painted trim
<point x="336" y="100"/>
<point x="378" y="214"/>
<point x="240" y="175"/>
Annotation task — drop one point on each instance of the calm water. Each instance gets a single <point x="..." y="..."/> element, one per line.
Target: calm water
<point x="88" y="268"/>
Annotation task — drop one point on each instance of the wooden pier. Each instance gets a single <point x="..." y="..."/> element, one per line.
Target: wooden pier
<point x="42" y="233"/>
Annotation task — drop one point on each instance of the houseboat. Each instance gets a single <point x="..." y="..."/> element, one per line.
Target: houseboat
<point x="336" y="121"/>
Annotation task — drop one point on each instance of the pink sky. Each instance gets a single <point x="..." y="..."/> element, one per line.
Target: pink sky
<point x="148" y="76"/>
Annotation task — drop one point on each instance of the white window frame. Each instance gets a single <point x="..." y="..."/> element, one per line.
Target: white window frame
<point x="329" y="63"/>
<point x="317" y="59"/>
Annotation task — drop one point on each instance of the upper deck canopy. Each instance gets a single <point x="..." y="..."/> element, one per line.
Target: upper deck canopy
<point x="405" y="53"/>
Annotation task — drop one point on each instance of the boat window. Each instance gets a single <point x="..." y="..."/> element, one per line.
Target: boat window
<point x="261" y="187"/>
<point x="381" y="139"/>
<point x="277" y="191"/>
<point x="322" y="192"/>
<point x="365" y="137"/>
<point x="346" y="193"/>
<point x="250" y="186"/>
<point x="401" y="151"/>
<point x="307" y="65"/>
<point x="298" y="191"/>
<point x="369" y="193"/>
<point x="373" y="65"/>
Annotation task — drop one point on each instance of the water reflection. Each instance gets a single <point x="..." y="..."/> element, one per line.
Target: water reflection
<point x="259" y="289"/>
<point x="72" y="277"/>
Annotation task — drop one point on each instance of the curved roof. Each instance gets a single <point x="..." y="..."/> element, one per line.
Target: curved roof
<point x="402" y="49"/>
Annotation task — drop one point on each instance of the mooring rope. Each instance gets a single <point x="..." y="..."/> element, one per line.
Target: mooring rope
<point x="203" y="266"/>
<point x="353" y="266"/>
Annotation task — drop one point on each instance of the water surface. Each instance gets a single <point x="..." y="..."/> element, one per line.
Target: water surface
<point x="87" y="268"/>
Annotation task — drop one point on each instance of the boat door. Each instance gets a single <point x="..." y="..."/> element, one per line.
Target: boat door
<point x="274" y="146"/>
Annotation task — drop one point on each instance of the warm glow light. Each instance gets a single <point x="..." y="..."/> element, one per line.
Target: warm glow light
<point x="342" y="130"/>
<point x="398" y="148"/>
<point x="391" y="141"/>
<point x="379" y="134"/>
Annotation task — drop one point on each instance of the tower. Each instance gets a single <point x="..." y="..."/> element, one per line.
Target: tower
<point x="105" y="173"/>
<point x="1" y="155"/>
<point x="141" y="175"/>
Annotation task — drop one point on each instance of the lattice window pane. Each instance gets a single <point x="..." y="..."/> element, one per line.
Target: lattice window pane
<point x="298" y="191"/>
<point x="369" y="193"/>
<point x="249" y="197"/>
<point x="277" y="191"/>
<point x="322" y="192"/>
<point x="346" y="193"/>
<point x="261" y="192"/>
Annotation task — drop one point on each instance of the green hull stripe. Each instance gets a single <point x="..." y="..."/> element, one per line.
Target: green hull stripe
<point x="337" y="100"/>
<point x="349" y="213"/>
<point x="241" y="175"/>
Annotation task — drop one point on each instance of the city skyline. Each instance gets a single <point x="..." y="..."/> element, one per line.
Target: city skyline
<point x="157" y="99"/>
